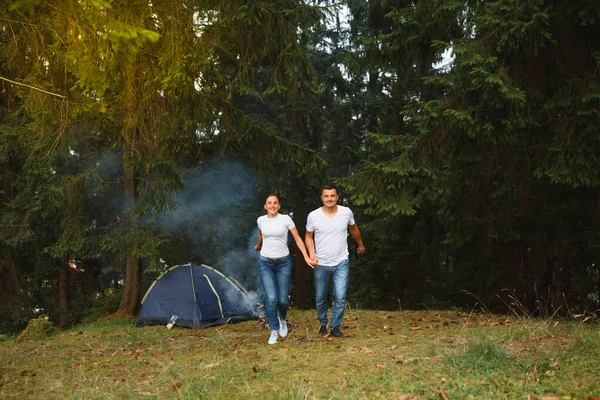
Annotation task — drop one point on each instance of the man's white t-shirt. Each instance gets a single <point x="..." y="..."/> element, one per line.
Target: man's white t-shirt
<point x="275" y="235"/>
<point x="330" y="235"/>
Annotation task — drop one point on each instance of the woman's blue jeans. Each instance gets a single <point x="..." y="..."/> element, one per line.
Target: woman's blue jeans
<point x="339" y="275"/>
<point x="275" y="276"/>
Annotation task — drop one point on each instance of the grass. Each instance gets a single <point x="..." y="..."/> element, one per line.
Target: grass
<point x="388" y="355"/>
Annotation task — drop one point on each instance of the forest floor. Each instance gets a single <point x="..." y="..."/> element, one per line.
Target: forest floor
<point x="387" y="355"/>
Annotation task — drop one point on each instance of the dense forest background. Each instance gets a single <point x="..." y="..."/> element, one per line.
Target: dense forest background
<point x="137" y="135"/>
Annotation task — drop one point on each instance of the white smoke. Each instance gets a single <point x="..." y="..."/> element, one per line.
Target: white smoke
<point x="216" y="216"/>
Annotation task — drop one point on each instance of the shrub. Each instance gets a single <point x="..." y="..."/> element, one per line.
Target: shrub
<point x="37" y="329"/>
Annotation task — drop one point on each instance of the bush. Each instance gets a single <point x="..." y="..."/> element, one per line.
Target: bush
<point x="37" y="329"/>
<point x="103" y="305"/>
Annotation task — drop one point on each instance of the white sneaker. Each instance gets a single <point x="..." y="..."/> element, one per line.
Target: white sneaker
<point x="283" y="329"/>
<point x="273" y="338"/>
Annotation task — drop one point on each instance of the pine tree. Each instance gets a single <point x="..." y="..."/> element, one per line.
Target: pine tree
<point x="487" y="157"/>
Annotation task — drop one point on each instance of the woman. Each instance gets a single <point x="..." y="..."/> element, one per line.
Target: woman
<point x="275" y="264"/>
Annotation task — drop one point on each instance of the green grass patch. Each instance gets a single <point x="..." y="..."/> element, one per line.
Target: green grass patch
<point x="422" y="355"/>
<point x="482" y="356"/>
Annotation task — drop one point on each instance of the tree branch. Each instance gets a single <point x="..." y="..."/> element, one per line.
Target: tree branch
<point x="32" y="87"/>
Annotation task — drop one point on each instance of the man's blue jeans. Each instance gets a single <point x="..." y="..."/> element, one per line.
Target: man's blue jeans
<point x="275" y="276"/>
<point x="339" y="275"/>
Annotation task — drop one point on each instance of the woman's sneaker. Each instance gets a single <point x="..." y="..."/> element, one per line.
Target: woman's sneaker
<point x="273" y="338"/>
<point x="283" y="329"/>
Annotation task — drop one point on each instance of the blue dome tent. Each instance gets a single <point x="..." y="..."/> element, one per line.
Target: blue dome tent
<point x="198" y="296"/>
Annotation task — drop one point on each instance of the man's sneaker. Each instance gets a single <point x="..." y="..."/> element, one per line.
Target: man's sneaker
<point x="336" y="332"/>
<point x="322" y="330"/>
<point x="273" y="338"/>
<point x="283" y="329"/>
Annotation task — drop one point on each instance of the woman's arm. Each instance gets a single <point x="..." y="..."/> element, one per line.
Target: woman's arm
<point x="312" y="263"/>
<point x="259" y="243"/>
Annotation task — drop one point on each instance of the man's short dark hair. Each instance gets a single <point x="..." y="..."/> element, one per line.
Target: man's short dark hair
<point x="328" y="186"/>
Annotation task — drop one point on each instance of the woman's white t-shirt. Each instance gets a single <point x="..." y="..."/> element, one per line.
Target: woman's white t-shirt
<point x="275" y="235"/>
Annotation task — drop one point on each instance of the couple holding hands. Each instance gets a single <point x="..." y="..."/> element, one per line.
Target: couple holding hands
<point x="326" y="251"/>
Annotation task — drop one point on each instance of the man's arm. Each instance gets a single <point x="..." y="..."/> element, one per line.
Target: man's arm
<point x="355" y="232"/>
<point x="309" y="241"/>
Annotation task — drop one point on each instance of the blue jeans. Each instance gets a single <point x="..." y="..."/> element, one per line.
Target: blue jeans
<point x="339" y="275"/>
<point x="275" y="276"/>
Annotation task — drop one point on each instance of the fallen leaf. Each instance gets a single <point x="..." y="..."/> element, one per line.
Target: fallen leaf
<point x="175" y="385"/>
<point x="366" y="350"/>
<point x="411" y="360"/>
<point x="257" y="367"/>
<point x="380" y="365"/>
<point x="415" y="328"/>
<point x="393" y="347"/>
<point x="407" y="361"/>
<point x="210" y="365"/>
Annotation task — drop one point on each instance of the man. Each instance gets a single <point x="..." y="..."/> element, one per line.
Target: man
<point x="327" y="243"/>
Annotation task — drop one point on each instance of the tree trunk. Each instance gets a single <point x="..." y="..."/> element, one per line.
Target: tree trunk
<point x="63" y="293"/>
<point x="372" y="111"/>
<point x="129" y="305"/>
<point x="547" y="283"/>
<point x="133" y="275"/>
<point x="567" y="269"/>
<point x="302" y="269"/>
<point x="400" y="287"/>
<point x="508" y="262"/>
<point x="10" y="284"/>
<point x="399" y="94"/>
<point x="302" y="275"/>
